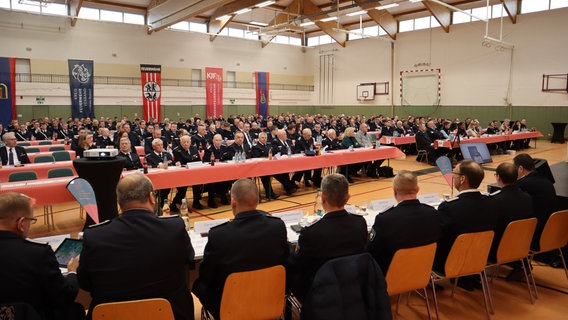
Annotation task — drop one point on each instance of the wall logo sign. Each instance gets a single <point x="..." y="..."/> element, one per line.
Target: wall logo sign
<point x="81" y="73"/>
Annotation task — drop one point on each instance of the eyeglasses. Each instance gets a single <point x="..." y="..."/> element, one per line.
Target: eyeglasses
<point x="457" y="173"/>
<point x="32" y="220"/>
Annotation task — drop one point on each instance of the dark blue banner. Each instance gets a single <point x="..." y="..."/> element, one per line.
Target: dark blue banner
<point x="262" y="82"/>
<point x="81" y="85"/>
<point x="7" y="90"/>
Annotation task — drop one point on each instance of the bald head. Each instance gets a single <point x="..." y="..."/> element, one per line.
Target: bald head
<point x="134" y="190"/>
<point x="244" y="195"/>
<point x="405" y="185"/>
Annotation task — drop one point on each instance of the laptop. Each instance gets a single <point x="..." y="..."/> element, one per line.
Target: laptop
<point x="69" y="248"/>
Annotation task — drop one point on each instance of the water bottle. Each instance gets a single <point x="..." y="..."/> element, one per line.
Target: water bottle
<point x="270" y="154"/>
<point x="319" y="139"/>
<point x="183" y="207"/>
<point x="289" y="152"/>
<point x="145" y="166"/>
<point x="166" y="208"/>
<point x="212" y="159"/>
<point x="318" y="207"/>
<point x="165" y="161"/>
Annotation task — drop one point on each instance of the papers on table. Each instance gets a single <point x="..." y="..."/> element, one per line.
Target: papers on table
<point x="382" y="205"/>
<point x="53" y="241"/>
<point x="290" y="217"/>
<point x="202" y="227"/>
<point x="432" y="199"/>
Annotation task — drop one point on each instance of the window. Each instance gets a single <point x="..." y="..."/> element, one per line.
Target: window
<point x="422" y="23"/>
<point x="114" y="16"/>
<point x="134" y="18"/>
<point x="198" y="27"/>
<point x="281" y="39"/>
<point x="89" y="13"/>
<point x="406" y="25"/>
<point x="371" y="31"/>
<point x="480" y="12"/>
<point x="497" y="11"/>
<point x="251" y="35"/>
<point x="183" y="25"/>
<point x="325" y="39"/>
<point x="5" y="4"/>
<point x="460" y="17"/>
<point x="55" y="9"/>
<point x="353" y="36"/>
<point x="196" y="77"/>
<point x="295" y="41"/>
<point x="25" y="6"/>
<point x="534" y="5"/>
<point x="237" y="33"/>
<point x="555" y="4"/>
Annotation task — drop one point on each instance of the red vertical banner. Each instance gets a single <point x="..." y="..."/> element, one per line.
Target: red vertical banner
<point x="214" y="91"/>
<point x="151" y="90"/>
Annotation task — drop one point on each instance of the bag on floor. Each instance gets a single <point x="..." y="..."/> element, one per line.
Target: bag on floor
<point x="386" y="172"/>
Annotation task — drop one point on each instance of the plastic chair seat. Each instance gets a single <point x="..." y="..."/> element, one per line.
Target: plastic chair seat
<point x="147" y="309"/>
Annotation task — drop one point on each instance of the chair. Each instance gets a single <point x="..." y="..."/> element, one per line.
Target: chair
<point x="44" y="159"/>
<point x="22" y="176"/>
<point x="554" y="237"/>
<point x="44" y="143"/>
<point x="257" y="294"/>
<point x="60" y="172"/>
<point x="410" y="270"/>
<point x="61" y="156"/>
<point x="515" y="245"/>
<point x="147" y="309"/>
<point x="24" y="144"/>
<point x="468" y="256"/>
<point x="57" y="148"/>
<point x="361" y="292"/>
<point x="422" y="155"/>
<point x="32" y="150"/>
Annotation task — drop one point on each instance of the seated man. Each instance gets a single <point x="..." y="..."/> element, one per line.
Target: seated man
<point x="408" y="224"/>
<point x="30" y="273"/>
<point x="158" y="158"/>
<point x="132" y="160"/>
<point x="337" y="234"/>
<point x="305" y="143"/>
<point x="261" y="150"/>
<point x="11" y="153"/>
<point x="424" y="142"/>
<point x="217" y="152"/>
<point x="511" y="202"/>
<point x="184" y="154"/>
<point x="366" y="140"/>
<point x="252" y="240"/>
<point x="239" y="146"/>
<point x="469" y="211"/>
<point x="137" y="255"/>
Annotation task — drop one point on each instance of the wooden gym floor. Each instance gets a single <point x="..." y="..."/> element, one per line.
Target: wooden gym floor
<point x="511" y="299"/>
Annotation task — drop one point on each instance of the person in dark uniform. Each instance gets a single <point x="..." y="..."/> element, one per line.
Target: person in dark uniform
<point x="239" y="146"/>
<point x="335" y="235"/>
<point x="160" y="159"/>
<point x="156" y="134"/>
<point x="408" y="224"/>
<point x="137" y="255"/>
<point x="424" y="142"/>
<point x="12" y="154"/>
<point x="510" y="202"/>
<point x="103" y="140"/>
<point x="183" y="155"/>
<point x="64" y="132"/>
<point x="469" y="211"/>
<point x="261" y="150"/>
<point x="303" y="144"/>
<point x="132" y="160"/>
<point x="23" y="134"/>
<point x="200" y="140"/>
<point x="252" y="240"/>
<point x="543" y="195"/>
<point x="331" y="141"/>
<point x="30" y="272"/>
<point x="281" y="144"/>
<point x="217" y="152"/>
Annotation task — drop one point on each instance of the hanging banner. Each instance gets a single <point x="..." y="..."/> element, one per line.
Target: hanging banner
<point x="214" y="91"/>
<point x="83" y="192"/>
<point x="81" y="86"/>
<point x="445" y="165"/>
<point x="262" y="80"/>
<point x="151" y="91"/>
<point x="7" y="90"/>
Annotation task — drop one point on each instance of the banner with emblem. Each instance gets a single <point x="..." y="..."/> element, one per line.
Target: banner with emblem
<point x="214" y="91"/>
<point x="262" y="80"/>
<point x="82" y="88"/>
<point x="7" y="90"/>
<point x="151" y="90"/>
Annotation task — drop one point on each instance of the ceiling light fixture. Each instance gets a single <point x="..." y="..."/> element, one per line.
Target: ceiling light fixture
<point x="258" y="23"/>
<point x="245" y="10"/>
<point x="414" y="1"/>
<point x="387" y="6"/>
<point x="265" y="4"/>
<point x="224" y="17"/>
<point x="308" y="23"/>
<point x="357" y="13"/>
<point x="328" y="19"/>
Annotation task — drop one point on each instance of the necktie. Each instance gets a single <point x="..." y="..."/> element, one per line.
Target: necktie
<point x="10" y="157"/>
<point x="129" y="156"/>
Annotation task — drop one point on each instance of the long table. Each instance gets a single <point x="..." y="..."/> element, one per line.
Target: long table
<point x="32" y="156"/>
<point x="51" y="191"/>
<point x="41" y="169"/>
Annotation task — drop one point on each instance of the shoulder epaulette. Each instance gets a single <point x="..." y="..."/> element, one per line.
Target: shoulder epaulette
<point x="100" y="224"/>
<point x="496" y="192"/>
<point x="452" y="199"/>
<point x="36" y="242"/>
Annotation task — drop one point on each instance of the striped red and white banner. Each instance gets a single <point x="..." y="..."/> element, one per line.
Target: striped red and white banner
<point x="151" y="91"/>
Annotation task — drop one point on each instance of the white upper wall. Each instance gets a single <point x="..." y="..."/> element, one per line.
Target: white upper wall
<point x="471" y="74"/>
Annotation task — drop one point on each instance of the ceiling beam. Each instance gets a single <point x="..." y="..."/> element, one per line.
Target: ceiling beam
<point x="512" y="8"/>
<point x="442" y="14"/>
<point x="74" y="8"/>
<point x="216" y="26"/>
<point x="163" y="14"/>
<point x="295" y="6"/>
<point x="381" y="17"/>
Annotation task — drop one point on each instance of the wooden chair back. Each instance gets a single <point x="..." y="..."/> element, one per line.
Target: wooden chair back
<point x="147" y="309"/>
<point x="410" y="269"/>
<point x="555" y="233"/>
<point x="257" y="294"/>
<point x="516" y="241"/>
<point x="468" y="254"/>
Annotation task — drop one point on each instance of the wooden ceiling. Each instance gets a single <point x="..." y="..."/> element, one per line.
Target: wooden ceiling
<point x="290" y="17"/>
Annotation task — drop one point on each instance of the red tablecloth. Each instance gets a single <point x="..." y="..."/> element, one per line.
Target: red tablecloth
<point x="398" y="140"/>
<point x="40" y="169"/>
<point x="490" y="139"/>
